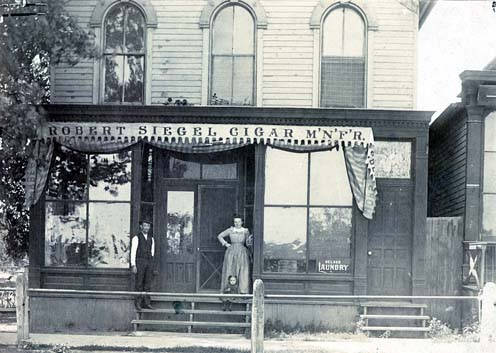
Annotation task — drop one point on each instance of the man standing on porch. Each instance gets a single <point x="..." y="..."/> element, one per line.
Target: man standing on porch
<point x="142" y="251"/>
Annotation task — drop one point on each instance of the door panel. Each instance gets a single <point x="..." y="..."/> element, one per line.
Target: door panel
<point x="218" y="203"/>
<point x="390" y="242"/>
<point x="178" y="247"/>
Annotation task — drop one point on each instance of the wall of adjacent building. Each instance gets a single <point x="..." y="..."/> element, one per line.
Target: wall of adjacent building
<point x="288" y="55"/>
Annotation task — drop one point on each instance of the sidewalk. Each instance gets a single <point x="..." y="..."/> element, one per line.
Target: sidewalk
<point x="155" y="340"/>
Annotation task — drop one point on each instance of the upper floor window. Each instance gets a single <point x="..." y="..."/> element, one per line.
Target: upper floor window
<point x="343" y="59"/>
<point x="124" y="55"/>
<point x="232" y="76"/>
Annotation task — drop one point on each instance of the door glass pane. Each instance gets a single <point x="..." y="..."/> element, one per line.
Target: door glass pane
<point x="68" y="176"/>
<point x="285" y="244"/>
<point x="222" y="76"/>
<point x="329" y="183"/>
<point x="219" y="171"/>
<point x="110" y="176"/>
<point x="177" y="168"/>
<point x="330" y="240"/>
<point x="133" y="75"/>
<point x="243" y="81"/>
<point x="285" y="177"/>
<point x="109" y="237"/>
<point x="65" y="234"/>
<point x="147" y="166"/>
<point x="114" y="66"/>
<point x="392" y="159"/>
<point x="180" y="220"/>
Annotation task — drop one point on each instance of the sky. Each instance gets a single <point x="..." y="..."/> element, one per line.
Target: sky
<point x="458" y="35"/>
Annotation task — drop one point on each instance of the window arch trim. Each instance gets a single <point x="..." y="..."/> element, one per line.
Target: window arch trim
<point x="100" y="11"/>
<point x="324" y="7"/>
<point x="253" y="6"/>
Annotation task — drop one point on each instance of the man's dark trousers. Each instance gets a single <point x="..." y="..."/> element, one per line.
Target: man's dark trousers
<point x="143" y="280"/>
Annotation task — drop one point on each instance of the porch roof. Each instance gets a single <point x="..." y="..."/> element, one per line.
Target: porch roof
<point x="231" y="114"/>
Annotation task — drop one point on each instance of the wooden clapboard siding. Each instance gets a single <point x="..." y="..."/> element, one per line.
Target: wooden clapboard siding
<point x="74" y="84"/>
<point x="177" y="51"/>
<point x="288" y="53"/>
<point x="447" y="163"/>
<point x="394" y="56"/>
<point x="287" y="58"/>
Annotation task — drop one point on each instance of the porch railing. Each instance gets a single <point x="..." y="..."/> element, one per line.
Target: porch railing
<point x="485" y="302"/>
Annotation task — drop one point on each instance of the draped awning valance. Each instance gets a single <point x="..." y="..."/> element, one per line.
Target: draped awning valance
<point x="208" y="133"/>
<point x="358" y="143"/>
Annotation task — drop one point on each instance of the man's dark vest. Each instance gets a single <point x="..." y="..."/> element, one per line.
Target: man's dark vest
<point x="144" y="250"/>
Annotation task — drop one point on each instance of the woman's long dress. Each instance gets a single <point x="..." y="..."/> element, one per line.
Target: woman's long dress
<point x="236" y="260"/>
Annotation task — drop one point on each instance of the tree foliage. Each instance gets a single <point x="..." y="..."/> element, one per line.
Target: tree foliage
<point x="29" y="45"/>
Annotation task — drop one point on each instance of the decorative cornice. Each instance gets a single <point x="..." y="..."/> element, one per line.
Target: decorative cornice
<point x="403" y="119"/>
<point x="323" y="7"/>
<point x="254" y="6"/>
<point x="102" y="7"/>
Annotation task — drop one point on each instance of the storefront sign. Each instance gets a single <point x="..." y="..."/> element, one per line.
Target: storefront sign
<point x="227" y="133"/>
<point x="333" y="266"/>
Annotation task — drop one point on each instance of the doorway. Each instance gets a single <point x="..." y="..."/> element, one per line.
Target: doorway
<point x="390" y="239"/>
<point x="194" y="207"/>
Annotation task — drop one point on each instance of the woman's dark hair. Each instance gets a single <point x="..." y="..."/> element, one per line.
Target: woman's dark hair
<point x="237" y="215"/>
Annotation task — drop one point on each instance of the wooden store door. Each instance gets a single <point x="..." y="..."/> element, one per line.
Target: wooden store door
<point x="390" y="240"/>
<point x="191" y="256"/>
<point x="177" y="245"/>
<point x="217" y="204"/>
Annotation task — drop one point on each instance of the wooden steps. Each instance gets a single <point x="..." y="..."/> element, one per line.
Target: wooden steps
<point x="394" y="328"/>
<point x="195" y="312"/>
<point x="192" y="323"/>
<point x="398" y="317"/>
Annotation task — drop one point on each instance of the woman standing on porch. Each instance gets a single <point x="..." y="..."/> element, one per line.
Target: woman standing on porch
<point x="236" y="258"/>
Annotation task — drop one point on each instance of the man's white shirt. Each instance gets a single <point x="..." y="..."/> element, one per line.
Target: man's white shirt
<point x="134" y="247"/>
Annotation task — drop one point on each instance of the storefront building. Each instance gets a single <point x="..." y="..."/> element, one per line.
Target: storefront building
<point x="297" y="116"/>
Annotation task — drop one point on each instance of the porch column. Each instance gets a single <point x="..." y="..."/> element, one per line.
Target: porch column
<point x="258" y="210"/>
<point x="419" y="215"/>
<point x="475" y="155"/>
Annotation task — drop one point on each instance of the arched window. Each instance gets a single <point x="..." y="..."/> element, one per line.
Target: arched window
<point x="343" y="59"/>
<point x="232" y="75"/>
<point x="124" y="55"/>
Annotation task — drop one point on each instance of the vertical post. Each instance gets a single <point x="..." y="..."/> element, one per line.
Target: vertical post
<point x="22" y="307"/>
<point x="257" y="317"/>
<point x="488" y="314"/>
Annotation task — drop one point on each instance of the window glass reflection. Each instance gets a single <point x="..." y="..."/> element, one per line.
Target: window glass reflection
<point x="330" y="234"/>
<point x="65" y="229"/>
<point x="68" y="176"/>
<point x="182" y="169"/>
<point x="329" y="184"/>
<point x="110" y="176"/>
<point x="109" y="240"/>
<point x="180" y="218"/>
<point x="285" y="245"/>
<point x="219" y="171"/>
<point x="135" y="31"/>
<point x="133" y="79"/>
<point x="286" y="175"/>
<point x="114" y="29"/>
<point x="392" y="159"/>
<point x="114" y="72"/>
